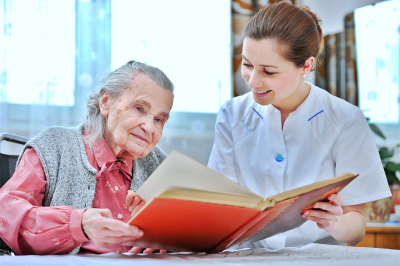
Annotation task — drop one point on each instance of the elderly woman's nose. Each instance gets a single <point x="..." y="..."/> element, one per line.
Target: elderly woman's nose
<point x="147" y="124"/>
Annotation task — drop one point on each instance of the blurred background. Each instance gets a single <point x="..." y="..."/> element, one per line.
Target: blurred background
<point x="53" y="53"/>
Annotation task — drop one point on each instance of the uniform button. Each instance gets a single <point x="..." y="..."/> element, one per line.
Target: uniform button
<point x="279" y="158"/>
<point x="119" y="216"/>
<point x="116" y="188"/>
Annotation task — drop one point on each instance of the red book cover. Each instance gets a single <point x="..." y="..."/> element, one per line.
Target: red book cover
<point x="183" y="225"/>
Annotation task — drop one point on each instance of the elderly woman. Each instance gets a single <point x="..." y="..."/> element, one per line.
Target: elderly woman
<point x="69" y="193"/>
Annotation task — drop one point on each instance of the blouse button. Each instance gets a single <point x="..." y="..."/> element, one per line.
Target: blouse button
<point x="119" y="216"/>
<point x="116" y="188"/>
<point x="279" y="158"/>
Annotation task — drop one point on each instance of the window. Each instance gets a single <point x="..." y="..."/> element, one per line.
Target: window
<point x="188" y="40"/>
<point x="56" y="52"/>
<point x="377" y="45"/>
<point x="38" y="64"/>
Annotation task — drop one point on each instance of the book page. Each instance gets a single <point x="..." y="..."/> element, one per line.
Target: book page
<point x="181" y="171"/>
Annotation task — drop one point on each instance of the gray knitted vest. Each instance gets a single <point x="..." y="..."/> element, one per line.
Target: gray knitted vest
<point x="69" y="175"/>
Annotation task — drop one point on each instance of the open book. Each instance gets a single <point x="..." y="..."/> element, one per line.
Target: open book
<point x="189" y="207"/>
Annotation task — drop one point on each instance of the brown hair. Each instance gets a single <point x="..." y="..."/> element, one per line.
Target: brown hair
<point x="295" y="29"/>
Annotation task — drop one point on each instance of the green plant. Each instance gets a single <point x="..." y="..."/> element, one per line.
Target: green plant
<point x="386" y="154"/>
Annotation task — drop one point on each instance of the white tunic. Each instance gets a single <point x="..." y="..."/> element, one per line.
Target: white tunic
<point x="325" y="137"/>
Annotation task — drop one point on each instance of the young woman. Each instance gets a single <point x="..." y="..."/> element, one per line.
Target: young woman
<point x="288" y="133"/>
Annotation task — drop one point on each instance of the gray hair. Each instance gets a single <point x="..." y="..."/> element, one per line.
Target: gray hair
<point x="114" y="83"/>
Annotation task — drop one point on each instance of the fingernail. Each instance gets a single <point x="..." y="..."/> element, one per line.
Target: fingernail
<point x="139" y="233"/>
<point x="137" y="199"/>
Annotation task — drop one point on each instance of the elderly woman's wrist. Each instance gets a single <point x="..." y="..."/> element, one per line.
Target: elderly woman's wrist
<point x="75" y="226"/>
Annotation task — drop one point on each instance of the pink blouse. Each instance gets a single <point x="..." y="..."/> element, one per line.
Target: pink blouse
<point x="29" y="228"/>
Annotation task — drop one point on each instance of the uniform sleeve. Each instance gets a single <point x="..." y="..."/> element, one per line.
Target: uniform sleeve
<point x="26" y="226"/>
<point x="222" y="157"/>
<point x="355" y="152"/>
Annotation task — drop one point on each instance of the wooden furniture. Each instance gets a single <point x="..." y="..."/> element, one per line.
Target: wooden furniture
<point x="381" y="235"/>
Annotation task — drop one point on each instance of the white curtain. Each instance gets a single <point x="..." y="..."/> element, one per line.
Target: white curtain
<point x="52" y="54"/>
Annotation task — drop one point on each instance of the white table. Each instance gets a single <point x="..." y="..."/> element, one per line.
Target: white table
<point x="312" y="254"/>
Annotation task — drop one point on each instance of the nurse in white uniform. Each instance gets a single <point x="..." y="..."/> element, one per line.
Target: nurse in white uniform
<point x="287" y="133"/>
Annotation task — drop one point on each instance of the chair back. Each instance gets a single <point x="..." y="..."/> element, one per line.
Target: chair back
<point x="7" y="169"/>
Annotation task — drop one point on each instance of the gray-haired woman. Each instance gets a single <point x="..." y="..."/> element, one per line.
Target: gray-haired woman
<point x="72" y="189"/>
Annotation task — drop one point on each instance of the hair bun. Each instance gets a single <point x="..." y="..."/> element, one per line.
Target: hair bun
<point x="317" y="21"/>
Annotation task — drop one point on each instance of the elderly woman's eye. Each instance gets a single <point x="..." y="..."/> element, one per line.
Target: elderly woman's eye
<point x="138" y="108"/>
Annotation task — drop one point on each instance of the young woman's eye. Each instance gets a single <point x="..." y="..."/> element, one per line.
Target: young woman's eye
<point x="269" y="73"/>
<point x="159" y="120"/>
<point x="245" y="64"/>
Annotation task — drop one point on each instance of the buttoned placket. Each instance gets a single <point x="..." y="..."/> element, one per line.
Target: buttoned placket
<point x="116" y="189"/>
<point x="279" y="152"/>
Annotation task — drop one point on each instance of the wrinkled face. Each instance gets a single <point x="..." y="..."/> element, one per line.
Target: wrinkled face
<point x="135" y="121"/>
<point x="272" y="79"/>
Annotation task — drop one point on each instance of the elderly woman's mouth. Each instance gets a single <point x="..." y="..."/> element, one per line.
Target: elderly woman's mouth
<point x="141" y="137"/>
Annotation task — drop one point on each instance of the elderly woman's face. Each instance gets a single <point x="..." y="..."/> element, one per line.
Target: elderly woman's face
<point x="135" y="121"/>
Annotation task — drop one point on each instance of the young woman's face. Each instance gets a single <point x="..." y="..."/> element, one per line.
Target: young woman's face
<point x="272" y="79"/>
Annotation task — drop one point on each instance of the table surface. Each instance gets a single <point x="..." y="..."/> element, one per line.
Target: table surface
<point x="383" y="228"/>
<point x="312" y="254"/>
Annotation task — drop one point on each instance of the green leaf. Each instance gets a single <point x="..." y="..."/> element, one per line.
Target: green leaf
<point x="385" y="153"/>
<point x="393" y="167"/>
<point x="377" y="131"/>
<point x="390" y="176"/>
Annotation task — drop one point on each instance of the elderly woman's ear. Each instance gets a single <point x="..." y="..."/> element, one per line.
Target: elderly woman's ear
<point x="104" y="103"/>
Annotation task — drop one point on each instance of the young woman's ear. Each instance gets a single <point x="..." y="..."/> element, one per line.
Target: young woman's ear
<point x="308" y="65"/>
<point x="104" y="104"/>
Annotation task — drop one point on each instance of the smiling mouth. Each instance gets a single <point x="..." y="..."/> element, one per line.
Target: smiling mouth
<point x="141" y="137"/>
<point x="261" y="93"/>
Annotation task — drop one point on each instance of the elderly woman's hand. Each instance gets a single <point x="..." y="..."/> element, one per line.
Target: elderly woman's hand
<point x="326" y="214"/>
<point x="135" y="203"/>
<point x="100" y="227"/>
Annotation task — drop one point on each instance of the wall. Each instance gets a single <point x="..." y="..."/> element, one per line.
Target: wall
<point x="332" y="12"/>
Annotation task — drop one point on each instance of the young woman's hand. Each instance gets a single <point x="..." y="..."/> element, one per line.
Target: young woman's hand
<point x="326" y="214"/>
<point x="135" y="203"/>
<point x="104" y="231"/>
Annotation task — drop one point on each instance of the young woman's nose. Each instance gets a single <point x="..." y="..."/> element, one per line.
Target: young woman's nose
<point x="254" y="80"/>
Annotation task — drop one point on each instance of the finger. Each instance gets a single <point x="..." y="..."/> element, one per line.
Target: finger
<point x="137" y="208"/>
<point x="336" y="199"/>
<point x="117" y="240"/>
<point x="322" y="215"/>
<point x="148" y="250"/>
<point x="118" y="228"/>
<point x="163" y="251"/>
<point x="136" y="202"/>
<point x="334" y="209"/>
<point x="323" y="224"/>
<point x="136" y="250"/>
<point x="129" y="197"/>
